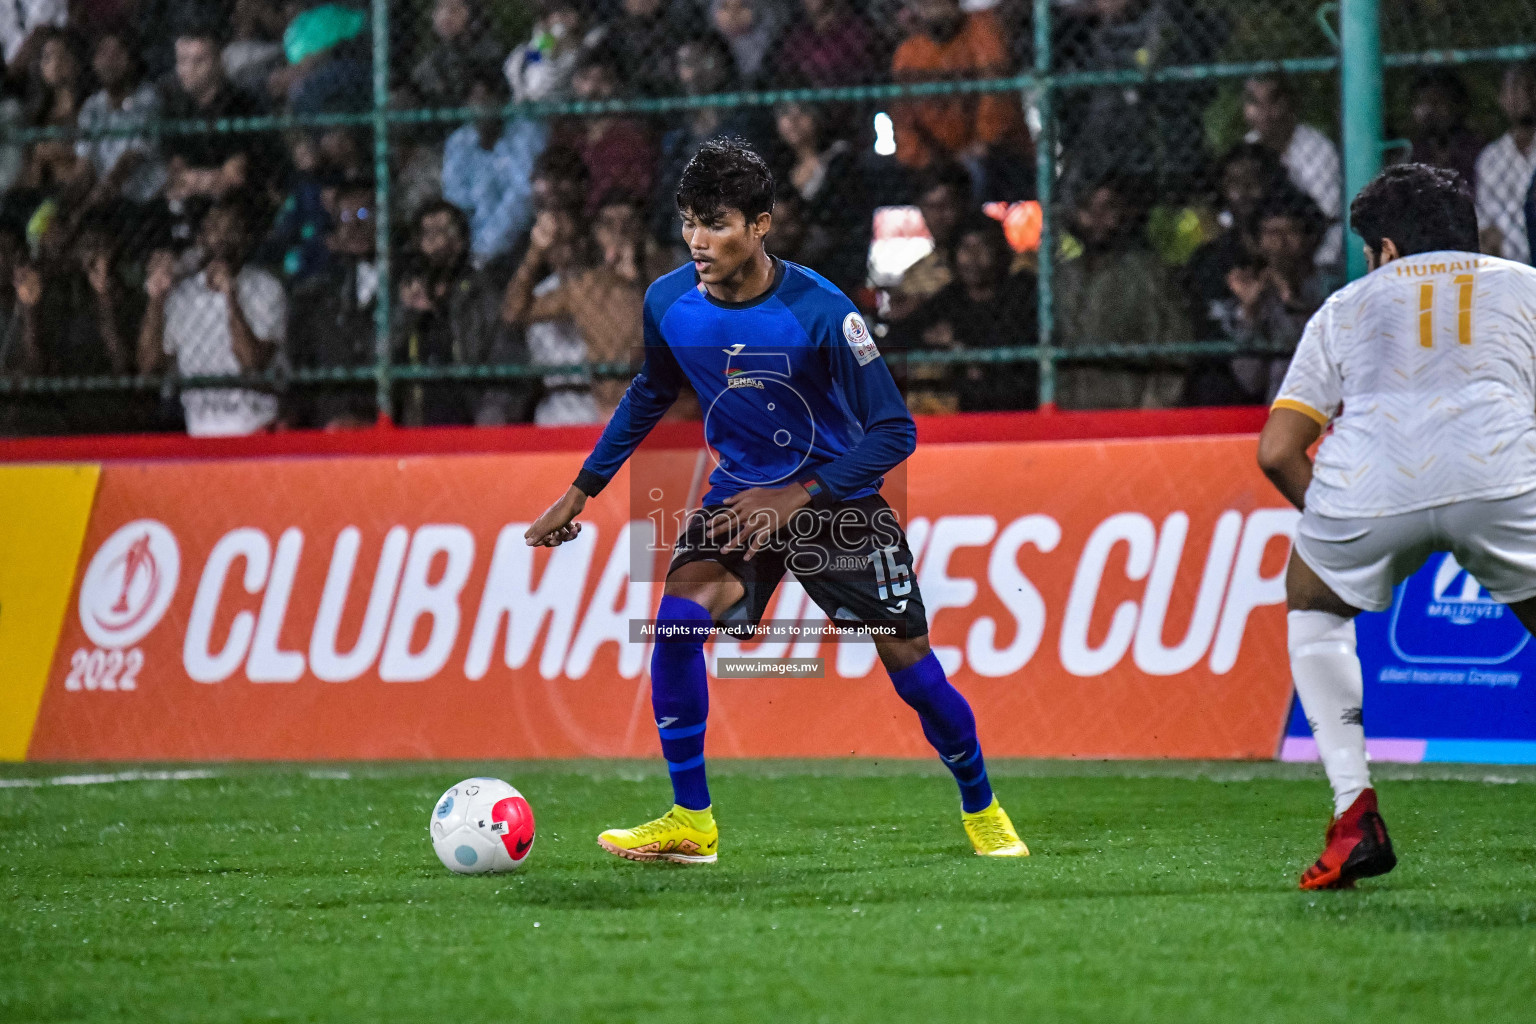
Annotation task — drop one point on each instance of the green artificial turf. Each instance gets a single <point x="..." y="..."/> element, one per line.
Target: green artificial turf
<point x="845" y="892"/>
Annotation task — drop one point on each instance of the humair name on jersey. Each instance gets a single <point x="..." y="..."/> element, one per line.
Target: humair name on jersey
<point x="1427" y="370"/>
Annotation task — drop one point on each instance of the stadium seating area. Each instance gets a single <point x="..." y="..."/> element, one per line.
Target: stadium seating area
<point x="1202" y="209"/>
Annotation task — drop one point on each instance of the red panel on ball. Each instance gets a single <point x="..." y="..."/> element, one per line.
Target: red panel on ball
<point x="518" y="838"/>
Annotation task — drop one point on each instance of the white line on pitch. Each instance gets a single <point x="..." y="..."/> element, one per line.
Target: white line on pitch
<point x="96" y="780"/>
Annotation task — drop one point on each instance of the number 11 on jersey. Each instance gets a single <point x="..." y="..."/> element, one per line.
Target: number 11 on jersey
<point x="1464" y="285"/>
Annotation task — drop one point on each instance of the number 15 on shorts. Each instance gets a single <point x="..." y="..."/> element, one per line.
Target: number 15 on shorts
<point x="895" y="579"/>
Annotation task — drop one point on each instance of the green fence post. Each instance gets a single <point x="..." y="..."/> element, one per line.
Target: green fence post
<point x="1360" y="57"/>
<point x="1045" y="186"/>
<point x="381" y="202"/>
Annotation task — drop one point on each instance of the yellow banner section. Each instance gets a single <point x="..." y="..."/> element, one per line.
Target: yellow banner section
<point x="46" y="511"/>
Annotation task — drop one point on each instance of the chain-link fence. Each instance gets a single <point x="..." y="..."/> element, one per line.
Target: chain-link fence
<point x="227" y="216"/>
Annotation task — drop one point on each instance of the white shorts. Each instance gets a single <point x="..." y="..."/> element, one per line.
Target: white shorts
<point x="1363" y="560"/>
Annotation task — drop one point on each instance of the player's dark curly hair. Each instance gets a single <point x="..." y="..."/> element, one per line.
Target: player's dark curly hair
<point x="726" y="174"/>
<point x="1421" y="208"/>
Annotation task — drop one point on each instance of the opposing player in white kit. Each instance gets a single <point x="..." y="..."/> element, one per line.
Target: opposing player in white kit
<point x="1426" y="369"/>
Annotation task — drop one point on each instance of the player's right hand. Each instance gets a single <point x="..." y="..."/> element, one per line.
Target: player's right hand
<point x="555" y="526"/>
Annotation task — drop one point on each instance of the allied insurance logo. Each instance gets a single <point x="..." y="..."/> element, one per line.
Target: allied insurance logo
<point x="129" y="584"/>
<point x="1446" y="618"/>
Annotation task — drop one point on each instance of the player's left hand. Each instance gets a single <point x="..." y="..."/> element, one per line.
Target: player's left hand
<point x="755" y="515"/>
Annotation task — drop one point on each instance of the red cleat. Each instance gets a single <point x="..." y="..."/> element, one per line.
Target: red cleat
<point x="1358" y="847"/>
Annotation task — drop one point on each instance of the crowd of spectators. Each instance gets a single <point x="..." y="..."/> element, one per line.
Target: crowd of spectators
<point x="531" y="241"/>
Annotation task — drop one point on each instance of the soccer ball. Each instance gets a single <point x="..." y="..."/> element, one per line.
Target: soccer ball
<point x="481" y="826"/>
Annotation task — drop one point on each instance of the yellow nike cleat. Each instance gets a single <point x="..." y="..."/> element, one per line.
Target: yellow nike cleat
<point x="992" y="833"/>
<point x="680" y="836"/>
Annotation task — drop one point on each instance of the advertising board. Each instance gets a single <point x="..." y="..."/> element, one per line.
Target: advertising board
<point x="1092" y="599"/>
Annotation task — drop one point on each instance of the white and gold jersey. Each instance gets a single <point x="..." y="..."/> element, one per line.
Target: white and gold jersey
<point x="1427" y="370"/>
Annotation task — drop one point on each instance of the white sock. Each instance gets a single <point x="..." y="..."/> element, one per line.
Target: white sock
<point x="1328" y="680"/>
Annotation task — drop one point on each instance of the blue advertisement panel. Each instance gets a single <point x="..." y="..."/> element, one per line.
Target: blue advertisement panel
<point x="1450" y="675"/>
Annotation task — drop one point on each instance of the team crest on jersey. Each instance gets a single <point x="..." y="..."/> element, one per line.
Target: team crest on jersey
<point x="857" y="334"/>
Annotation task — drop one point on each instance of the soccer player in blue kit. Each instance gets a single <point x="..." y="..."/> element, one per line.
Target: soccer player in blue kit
<point x="805" y="421"/>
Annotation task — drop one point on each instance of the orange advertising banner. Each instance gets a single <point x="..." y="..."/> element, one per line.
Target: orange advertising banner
<point x="1092" y="599"/>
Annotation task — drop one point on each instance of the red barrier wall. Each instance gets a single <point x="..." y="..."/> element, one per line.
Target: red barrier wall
<point x="1098" y="598"/>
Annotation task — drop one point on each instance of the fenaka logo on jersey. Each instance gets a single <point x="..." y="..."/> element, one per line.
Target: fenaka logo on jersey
<point x="129" y="584"/>
<point x="1442" y="616"/>
<point x="856" y="331"/>
<point x="738" y="378"/>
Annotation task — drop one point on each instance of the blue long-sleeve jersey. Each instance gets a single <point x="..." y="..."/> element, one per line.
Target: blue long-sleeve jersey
<point x="792" y="387"/>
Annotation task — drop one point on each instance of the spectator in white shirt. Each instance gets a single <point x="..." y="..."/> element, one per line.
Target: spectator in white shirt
<point x="1311" y="160"/>
<point x="123" y="168"/>
<point x="225" y="320"/>
<point x="1505" y="168"/>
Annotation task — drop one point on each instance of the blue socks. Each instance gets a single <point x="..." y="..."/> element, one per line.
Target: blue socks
<point x="680" y="697"/>
<point x="680" y="700"/>
<point x="949" y="726"/>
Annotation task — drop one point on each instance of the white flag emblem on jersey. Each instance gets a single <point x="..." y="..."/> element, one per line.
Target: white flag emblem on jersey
<point x="857" y="333"/>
